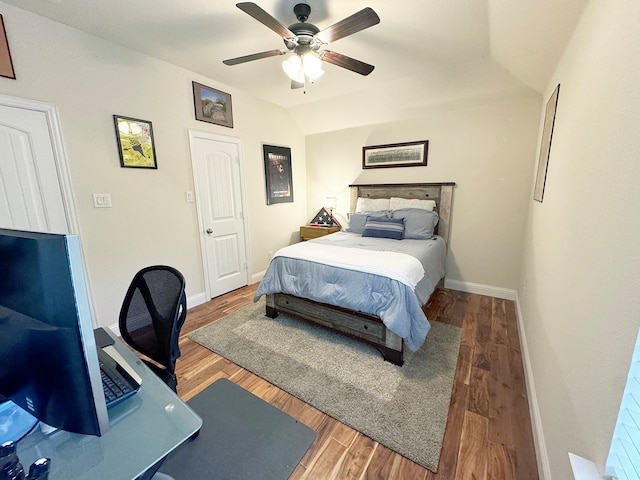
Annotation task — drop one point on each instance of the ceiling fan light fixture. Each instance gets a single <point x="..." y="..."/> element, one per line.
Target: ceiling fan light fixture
<point x="293" y="68"/>
<point x="312" y="66"/>
<point x="300" y="67"/>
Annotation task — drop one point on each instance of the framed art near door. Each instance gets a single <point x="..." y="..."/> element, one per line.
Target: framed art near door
<point x="211" y="105"/>
<point x="6" y="64"/>
<point x="135" y="142"/>
<point x="277" y="172"/>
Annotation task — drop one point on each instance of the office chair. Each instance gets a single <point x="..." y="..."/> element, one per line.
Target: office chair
<point x="152" y="314"/>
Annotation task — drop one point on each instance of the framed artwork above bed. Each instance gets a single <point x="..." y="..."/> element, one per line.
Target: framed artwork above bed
<point x="409" y="154"/>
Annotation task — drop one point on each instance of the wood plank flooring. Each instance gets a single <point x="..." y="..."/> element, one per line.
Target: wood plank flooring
<point x="488" y="433"/>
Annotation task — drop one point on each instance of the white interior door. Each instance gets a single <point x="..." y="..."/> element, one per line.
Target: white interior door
<point x="32" y="177"/>
<point x="220" y="201"/>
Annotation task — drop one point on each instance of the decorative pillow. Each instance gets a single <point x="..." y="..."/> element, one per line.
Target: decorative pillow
<point x="384" y="227"/>
<point x="396" y="203"/>
<point x="371" y="204"/>
<point x="357" y="220"/>
<point x="418" y="224"/>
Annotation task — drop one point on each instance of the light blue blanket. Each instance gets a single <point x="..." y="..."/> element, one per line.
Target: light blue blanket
<point x="396" y="304"/>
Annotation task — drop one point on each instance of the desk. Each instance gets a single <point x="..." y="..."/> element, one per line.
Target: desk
<point x="142" y="430"/>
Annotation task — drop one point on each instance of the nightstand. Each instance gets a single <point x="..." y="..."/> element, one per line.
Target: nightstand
<point x="307" y="232"/>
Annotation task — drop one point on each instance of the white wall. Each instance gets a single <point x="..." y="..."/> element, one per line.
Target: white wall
<point x="579" y="288"/>
<point x="488" y="149"/>
<point x="90" y="80"/>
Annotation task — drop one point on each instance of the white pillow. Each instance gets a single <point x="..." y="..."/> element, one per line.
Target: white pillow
<point x="396" y="203"/>
<point x="371" y="204"/>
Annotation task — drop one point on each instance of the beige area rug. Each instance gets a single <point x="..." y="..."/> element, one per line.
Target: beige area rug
<point x="404" y="408"/>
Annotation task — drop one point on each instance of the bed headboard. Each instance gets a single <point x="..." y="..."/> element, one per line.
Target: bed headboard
<point x="442" y="193"/>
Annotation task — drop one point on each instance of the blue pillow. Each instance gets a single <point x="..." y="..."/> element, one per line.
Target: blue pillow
<point x="358" y="219"/>
<point x="418" y="223"/>
<point x="384" y="227"/>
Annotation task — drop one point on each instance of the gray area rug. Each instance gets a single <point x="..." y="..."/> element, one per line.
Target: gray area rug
<point x="404" y="408"/>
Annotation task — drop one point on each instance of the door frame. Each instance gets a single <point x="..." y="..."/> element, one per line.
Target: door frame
<point x="60" y="158"/>
<point x="193" y="134"/>
<point x="50" y="112"/>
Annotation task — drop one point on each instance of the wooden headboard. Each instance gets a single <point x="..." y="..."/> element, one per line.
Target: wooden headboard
<point x="442" y="193"/>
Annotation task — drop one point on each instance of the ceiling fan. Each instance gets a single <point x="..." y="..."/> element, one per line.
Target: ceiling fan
<point x="307" y="42"/>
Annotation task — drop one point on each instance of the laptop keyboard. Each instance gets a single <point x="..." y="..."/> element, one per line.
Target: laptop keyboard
<point x="115" y="383"/>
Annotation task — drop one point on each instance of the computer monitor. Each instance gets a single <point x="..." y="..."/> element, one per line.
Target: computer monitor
<point x="48" y="359"/>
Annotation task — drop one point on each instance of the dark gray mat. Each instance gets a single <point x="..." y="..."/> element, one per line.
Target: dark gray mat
<point x="242" y="437"/>
<point x="403" y="408"/>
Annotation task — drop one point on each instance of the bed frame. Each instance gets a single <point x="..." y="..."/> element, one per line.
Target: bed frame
<point x="368" y="328"/>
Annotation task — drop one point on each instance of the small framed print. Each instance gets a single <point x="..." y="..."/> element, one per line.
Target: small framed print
<point x="135" y="142"/>
<point x="212" y="105"/>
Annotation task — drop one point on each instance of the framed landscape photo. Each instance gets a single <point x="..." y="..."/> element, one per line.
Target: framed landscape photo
<point x="410" y="154"/>
<point x="277" y="172"/>
<point x="135" y="142"/>
<point x="6" y="64"/>
<point x="545" y="145"/>
<point x="212" y="105"/>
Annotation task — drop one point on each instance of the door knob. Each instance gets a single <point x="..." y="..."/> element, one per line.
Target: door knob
<point x="209" y="231"/>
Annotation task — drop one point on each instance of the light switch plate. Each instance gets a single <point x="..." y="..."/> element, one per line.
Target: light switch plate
<point x="102" y="200"/>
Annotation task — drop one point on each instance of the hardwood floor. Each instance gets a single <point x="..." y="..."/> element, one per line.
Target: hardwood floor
<point x="488" y="433"/>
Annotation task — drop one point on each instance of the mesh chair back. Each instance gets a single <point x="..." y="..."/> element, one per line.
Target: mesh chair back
<point x="153" y="312"/>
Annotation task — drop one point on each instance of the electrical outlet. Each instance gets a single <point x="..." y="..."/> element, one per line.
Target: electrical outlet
<point x="270" y="255"/>
<point x="189" y="196"/>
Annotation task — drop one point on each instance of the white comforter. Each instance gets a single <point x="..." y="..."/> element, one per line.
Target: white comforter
<point x="398" y="266"/>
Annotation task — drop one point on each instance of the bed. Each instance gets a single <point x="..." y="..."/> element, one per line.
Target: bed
<point x="334" y="280"/>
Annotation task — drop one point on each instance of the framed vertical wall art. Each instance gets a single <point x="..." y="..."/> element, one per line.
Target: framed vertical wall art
<point x="212" y="106"/>
<point x="545" y="145"/>
<point x="135" y="142"/>
<point x="6" y="64"/>
<point x="277" y="172"/>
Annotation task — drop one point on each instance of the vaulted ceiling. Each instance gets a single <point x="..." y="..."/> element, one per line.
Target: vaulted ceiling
<point x="425" y="52"/>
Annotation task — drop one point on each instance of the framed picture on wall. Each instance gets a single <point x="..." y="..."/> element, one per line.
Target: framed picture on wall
<point x="277" y="172"/>
<point x="545" y="145"/>
<point x="135" y="142"/>
<point x="212" y="105"/>
<point x="410" y="154"/>
<point x="6" y="64"/>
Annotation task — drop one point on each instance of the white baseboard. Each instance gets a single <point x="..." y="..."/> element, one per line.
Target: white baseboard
<point x="197" y="299"/>
<point x="542" y="455"/>
<point x="256" y="277"/>
<point x="480" y="289"/>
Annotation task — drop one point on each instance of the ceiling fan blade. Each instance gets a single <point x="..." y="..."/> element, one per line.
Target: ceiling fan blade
<point x="347" y="62"/>
<point x="365" y="18"/>
<point x="295" y="84"/>
<point x="263" y="17"/>
<point x="253" y="56"/>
